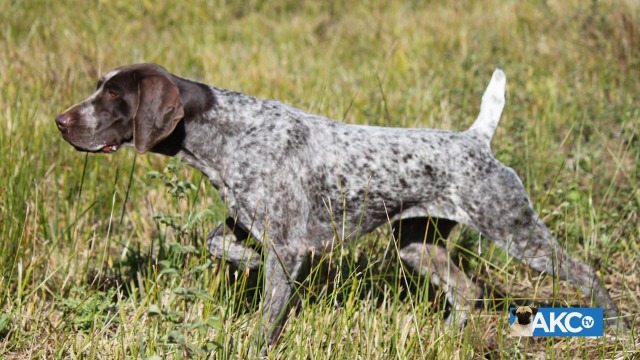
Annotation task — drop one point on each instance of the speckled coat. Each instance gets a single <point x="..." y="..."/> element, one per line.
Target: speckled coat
<point x="301" y="182"/>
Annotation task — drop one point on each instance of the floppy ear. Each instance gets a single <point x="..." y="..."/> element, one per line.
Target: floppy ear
<point x="534" y="311"/>
<point x="159" y="111"/>
<point x="513" y="311"/>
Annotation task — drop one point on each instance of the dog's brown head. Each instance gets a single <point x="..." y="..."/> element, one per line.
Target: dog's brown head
<point x="136" y="103"/>
<point x="524" y="314"/>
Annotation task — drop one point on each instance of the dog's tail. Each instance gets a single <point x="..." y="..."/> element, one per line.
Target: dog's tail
<point x="491" y="108"/>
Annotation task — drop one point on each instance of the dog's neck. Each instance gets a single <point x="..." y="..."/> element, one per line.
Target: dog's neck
<point x="214" y="118"/>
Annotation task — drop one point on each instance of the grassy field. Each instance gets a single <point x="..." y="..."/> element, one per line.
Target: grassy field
<point x="100" y="258"/>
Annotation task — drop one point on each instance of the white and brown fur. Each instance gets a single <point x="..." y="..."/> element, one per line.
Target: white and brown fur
<point x="288" y="177"/>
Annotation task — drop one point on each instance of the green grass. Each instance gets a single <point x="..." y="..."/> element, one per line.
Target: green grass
<point x="100" y="260"/>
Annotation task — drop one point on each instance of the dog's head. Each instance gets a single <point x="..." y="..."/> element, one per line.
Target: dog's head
<point x="524" y="314"/>
<point x="137" y="104"/>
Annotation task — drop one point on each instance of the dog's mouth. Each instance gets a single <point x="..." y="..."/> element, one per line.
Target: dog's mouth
<point x="103" y="147"/>
<point x="107" y="149"/>
<point x="110" y="148"/>
<point x="524" y="320"/>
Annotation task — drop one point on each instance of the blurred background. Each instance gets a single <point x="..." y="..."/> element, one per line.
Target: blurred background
<point x="83" y="237"/>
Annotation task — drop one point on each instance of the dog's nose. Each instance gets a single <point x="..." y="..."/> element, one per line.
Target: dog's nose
<point x="63" y="121"/>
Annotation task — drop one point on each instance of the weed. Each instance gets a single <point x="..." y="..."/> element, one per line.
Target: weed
<point x="103" y="256"/>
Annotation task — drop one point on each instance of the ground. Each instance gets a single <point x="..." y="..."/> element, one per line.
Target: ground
<point x="102" y="256"/>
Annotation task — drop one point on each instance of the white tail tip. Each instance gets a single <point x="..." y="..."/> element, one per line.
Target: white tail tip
<point x="491" y="108"/>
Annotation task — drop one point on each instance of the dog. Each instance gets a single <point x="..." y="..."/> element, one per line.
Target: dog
<point x="291" y="179"/>
<point x="523" y="325"/>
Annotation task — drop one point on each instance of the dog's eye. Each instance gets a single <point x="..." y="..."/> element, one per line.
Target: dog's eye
<point x="112" y="94"/>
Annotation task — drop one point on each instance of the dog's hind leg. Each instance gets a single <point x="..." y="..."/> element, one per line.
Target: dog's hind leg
<point x="498" y="206"/>
<point x="434" y="261"/>
<point x="227" y="242"/>
<point x="503" y="212"/>
<point x="419" y="250"/>
<point x="537" y="247"/>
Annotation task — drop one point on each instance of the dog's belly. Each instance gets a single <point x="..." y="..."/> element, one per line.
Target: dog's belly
<point x="368" y="176"/>
<point x="345" y="180"/>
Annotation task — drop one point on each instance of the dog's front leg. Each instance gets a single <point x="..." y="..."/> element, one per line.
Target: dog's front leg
<point x="226" y="242"/>
<point x="282" y="267"/>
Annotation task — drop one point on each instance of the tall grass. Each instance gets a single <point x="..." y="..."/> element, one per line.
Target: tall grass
<point x="99" y="260"/>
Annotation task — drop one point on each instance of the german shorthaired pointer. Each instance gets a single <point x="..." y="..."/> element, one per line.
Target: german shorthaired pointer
<point x="292" y="179"/>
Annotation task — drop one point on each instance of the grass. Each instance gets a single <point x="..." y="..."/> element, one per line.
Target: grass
<point x="98" y="259"/>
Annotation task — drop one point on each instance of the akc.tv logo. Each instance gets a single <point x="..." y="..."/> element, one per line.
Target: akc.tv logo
<point x="531" y="321"/>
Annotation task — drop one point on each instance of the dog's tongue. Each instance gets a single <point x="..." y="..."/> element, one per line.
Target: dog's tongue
<point x="110" y="148"/>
